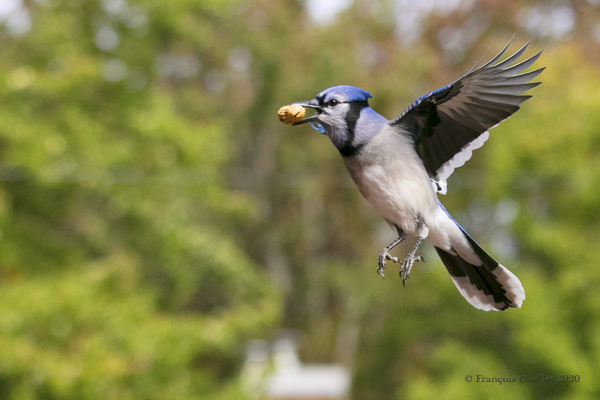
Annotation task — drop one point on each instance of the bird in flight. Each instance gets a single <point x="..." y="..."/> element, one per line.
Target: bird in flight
<point x="399" y="166"/>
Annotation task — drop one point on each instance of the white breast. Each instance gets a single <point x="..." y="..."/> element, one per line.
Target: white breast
<point x="391" y="177"/>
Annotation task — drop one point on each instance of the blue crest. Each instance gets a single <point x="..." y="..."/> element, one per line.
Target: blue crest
<point x="344" y="93"/>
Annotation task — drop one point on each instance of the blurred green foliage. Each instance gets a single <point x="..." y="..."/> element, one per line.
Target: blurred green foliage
<point x="155" y="215"/>
<point x="121" y="276"/>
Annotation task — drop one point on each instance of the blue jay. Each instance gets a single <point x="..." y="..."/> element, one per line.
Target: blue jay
<point x="399" y="166"/>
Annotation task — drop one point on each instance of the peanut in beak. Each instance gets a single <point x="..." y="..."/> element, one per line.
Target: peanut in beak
<point x="291" y="114"/>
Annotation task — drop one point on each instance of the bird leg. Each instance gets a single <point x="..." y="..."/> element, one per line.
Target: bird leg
<point x="410" y="259"/>
<point x="385" y="255"/>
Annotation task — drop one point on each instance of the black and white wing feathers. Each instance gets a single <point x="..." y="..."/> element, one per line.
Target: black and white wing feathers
<point x="447" y="124"/>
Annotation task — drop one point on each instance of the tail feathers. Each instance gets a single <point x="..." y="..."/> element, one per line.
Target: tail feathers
<point x="488" y="286"/>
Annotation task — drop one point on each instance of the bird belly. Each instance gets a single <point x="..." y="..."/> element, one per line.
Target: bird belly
<point x="407" y="200"/>
<point x="400" y="194"/>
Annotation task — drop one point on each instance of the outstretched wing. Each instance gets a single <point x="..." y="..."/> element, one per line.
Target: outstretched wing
<point x="447" y="124"/>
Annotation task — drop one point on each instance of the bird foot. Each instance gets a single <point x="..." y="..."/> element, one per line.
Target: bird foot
<point x="407" y="265"/>
<point x="383" y="256"/>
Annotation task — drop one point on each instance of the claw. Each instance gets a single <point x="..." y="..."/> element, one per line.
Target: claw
<point x="383" y="256"/>
<point x="407" y="265"/>
<point x="408" y="262"/>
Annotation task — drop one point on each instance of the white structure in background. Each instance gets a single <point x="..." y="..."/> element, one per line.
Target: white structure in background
<point x="282" y="376"/>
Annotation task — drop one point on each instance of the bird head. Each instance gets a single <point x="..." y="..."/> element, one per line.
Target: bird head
<point x="333" y="106"/>
<point x="343" y="114"/>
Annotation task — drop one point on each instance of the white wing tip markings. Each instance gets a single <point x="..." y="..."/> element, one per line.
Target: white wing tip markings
<point x="459" y="160"/>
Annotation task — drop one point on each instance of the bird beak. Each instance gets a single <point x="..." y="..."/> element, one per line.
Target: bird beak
<point x="314" y="103"/>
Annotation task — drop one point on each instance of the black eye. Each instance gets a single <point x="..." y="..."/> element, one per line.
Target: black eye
<point x="333" y="103"/>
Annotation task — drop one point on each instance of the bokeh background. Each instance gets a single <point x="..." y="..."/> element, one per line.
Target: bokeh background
<point x="155" y="216"/>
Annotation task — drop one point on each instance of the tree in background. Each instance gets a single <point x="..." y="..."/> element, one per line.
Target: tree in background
<point x="155" y="215"/>
<point x="121" y="275"/>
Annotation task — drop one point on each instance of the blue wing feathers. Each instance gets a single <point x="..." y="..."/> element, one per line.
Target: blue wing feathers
<point x="455" y="115"/>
